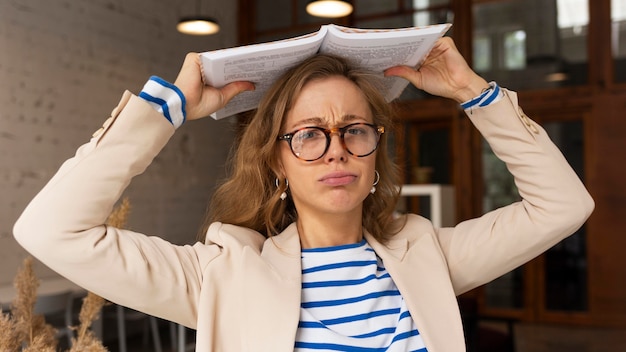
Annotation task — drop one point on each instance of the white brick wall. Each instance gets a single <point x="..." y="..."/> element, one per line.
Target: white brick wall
<point x="63" y="67"/>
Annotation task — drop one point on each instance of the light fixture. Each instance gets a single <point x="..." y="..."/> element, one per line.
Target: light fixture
<point x="556" y="77"/>
<point x="329" y="8"/>
<point x="198" y="25"/>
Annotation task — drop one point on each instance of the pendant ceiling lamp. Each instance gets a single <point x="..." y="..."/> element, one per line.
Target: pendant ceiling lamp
<point x="198" y="25"/>
<point x="329" y="8"/>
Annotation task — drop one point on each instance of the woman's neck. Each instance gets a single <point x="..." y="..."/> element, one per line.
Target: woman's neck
<point x="328" y="231"/>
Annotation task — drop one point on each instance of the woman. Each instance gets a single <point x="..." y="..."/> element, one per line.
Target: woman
<point x="301" y="251"/>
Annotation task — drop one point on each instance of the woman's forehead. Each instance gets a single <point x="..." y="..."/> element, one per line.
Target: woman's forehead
<point x="329" y="101"/>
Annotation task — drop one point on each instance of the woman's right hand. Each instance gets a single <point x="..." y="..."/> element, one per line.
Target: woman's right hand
<point x="203" y="100"/>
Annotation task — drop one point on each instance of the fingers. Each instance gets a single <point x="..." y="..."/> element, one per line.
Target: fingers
<point x="212" y="99"/>
<point x="189" y="77"/>
<point x="434" y="58"/>
<point x="444" y="43"/>
<point x="444" y="72"/>
<point x="230" y="90"/>
<point x="411" y="74"/>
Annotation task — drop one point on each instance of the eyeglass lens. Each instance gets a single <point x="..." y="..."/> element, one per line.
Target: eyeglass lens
<point x="311" y="143"/>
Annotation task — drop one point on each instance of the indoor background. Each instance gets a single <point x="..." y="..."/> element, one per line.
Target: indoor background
<point x="64" y="65"/>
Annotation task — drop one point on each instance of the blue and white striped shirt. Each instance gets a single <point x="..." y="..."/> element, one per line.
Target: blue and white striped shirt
<point x="165" y="98"/>
<point x="488" y="96"/>
<point x="350" y="303"/>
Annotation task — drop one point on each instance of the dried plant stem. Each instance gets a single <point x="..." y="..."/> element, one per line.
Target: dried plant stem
<point x="23" y="306"/>
<point x="31" y="330"/>
<point x="24" y="330"/>
<point x="119" y="215"/>
<point x="90" y="310"/>
<point x="8" y="334"/>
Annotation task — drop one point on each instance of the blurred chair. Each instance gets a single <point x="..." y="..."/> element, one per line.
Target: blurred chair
<point x="126" y="314"/>
<point x="183" y="346"/>
<point x="57" y="309"/>
<point x="178" y="337"/>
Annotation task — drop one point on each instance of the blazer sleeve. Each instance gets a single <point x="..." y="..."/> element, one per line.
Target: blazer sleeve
<point x="554" y="201"/>
<point x="63" y="226"/>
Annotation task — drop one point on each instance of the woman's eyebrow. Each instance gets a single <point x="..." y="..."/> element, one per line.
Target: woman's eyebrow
<point x="349" y="118"/>
<point x="318" y="121"/>
<point x="311" y="121"/>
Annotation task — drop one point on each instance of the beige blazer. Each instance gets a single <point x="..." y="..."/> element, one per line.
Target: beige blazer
<point x="242" y="292"/>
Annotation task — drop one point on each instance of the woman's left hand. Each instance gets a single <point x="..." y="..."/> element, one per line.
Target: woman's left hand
<point x="444" y="73"/>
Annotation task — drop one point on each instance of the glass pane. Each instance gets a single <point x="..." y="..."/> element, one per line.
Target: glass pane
<point x="532" y="44"/>
<point x="428" y="154"/>
<point x="426" y="18"/>
<point x="428" y="161"/>
<point x="515" y="50"/>
<point x="566" y="263"/>
<point x="500" y="189"/>
<point x="506" y="291"/>
<point x="434" y="157"/>
<point x="425" y="4"/>
<point x="573" y="24"/>
<point x="566" y="274"/>
<point x="482" y="53"/>
<point x="618" y="38"/>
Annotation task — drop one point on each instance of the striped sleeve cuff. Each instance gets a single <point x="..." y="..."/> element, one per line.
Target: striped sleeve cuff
<point x="491" y="95"/>
<point x="165" y="98"/>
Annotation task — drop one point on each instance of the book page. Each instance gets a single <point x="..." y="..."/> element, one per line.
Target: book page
<point x="380" y="49"/>
<point x="260" y="64"/>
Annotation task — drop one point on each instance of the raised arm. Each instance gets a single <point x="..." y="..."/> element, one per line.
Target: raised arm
<point x="554" y="201"/>
<point x="63" y="226"/>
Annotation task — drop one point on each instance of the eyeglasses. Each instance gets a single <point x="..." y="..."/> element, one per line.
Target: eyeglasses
<point x="311" y="143"/>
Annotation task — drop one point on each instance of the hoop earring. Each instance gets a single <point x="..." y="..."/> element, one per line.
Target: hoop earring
<point x="373" y="190"/>
<point x="283" y="195"/>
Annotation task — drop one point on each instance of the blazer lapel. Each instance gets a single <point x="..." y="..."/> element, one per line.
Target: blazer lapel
<point x="282" y="252"/>
<point x="275" y="291"/>
<point x="419" y="271"/>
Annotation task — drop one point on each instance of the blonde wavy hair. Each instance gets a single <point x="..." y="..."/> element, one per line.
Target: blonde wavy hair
<point x="250" y="196"/>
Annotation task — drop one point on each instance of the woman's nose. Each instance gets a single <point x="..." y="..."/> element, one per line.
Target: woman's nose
<point x="336" y="149"/>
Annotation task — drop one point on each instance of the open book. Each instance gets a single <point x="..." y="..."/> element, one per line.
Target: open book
<point x="262" y="64"/>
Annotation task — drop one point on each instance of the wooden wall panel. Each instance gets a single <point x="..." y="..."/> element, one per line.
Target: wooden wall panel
<point x="607" y="226"/>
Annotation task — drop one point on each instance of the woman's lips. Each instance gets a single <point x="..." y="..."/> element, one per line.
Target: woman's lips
<point x="338" y="179"/>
